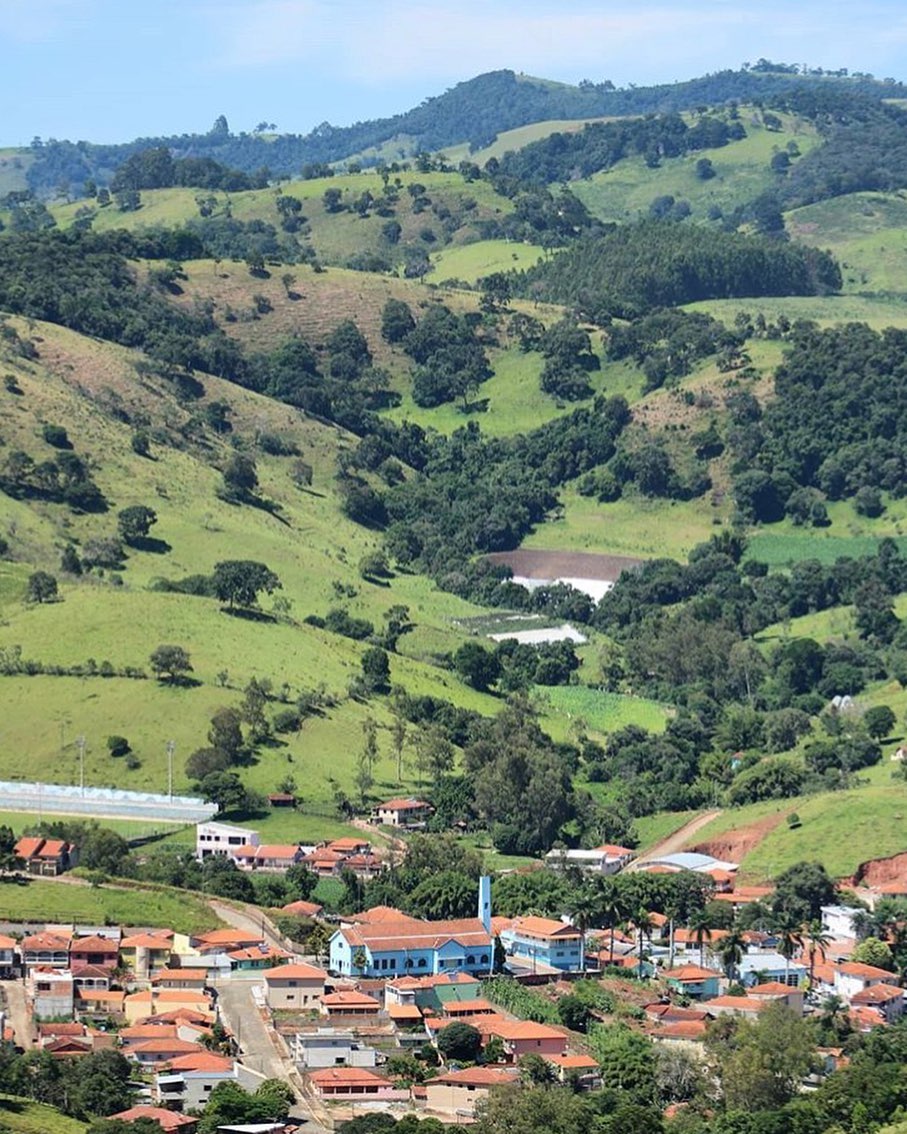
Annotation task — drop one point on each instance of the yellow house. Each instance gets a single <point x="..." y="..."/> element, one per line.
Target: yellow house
<point x="146" y="953"/>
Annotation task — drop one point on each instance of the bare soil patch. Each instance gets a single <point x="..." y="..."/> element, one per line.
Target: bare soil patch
<point x="879" y="870"/>
<point x="564" y="564"/>
<point x="735" y="845"/>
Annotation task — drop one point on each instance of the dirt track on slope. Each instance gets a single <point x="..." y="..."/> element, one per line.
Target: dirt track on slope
<point x="675" y="841"/>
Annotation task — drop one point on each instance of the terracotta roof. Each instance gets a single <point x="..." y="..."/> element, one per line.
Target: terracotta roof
<point x="179" y="1016"/>
<point x="404" y="1012"/>
<point x="467" y="1007"/>
<point x="258" y="953"/>
<point x="737" y="1003"/>
<point x="7" y="942"/>
<point x="158" y="939"/>
<point x="402" y="805"/>
<point x="68" y="1045"/>
<point x="477" y="1076"/>
<point x="166" y="1046"/>
<point x="378" y="914"/>
<point x="666" y="1012"/>
<point x="196" y="976"/>
<point x="52" y="848"/>
<point x="346" y="844"/>
<point x="683" y="936"/>
<point x="270" y="850"/>
<point x="38" y="941"/>
<point x="681" y="1029"/>
<point x="67" y="1028"/>
<point x="544" y="927"/>
<point x="412" y="934"/>
<point x="347" y="1077"/>
<point x="877" y="994"/>
<point x="295" y="972"/>
<point x="140" y="1032"/>
<point x="167" y="1119"/>
<point x="866" y="1018"/>
<point x="201" y="1061"/>
<point x="94" y="945"/>
<point x="866" y="972"/>
<point x="349" y="1000"/>
<point x="229" y="937"/>
<point x="522" y="1030"/>
<point x="824" y="972"/>
<point x="92" y="971"/>
<point x="28" y="846"/>
<point x="691" y="973"/>
<point x="303" y="909"/>
<point x="616" y="851"/>
<point x="572" y="1062"/>
<point x="102" y="996"/>
<point x="770" y="988"/>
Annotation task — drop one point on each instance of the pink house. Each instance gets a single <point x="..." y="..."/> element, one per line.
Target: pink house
<point x="524" y="1037"/>
<point x="346" y="1083"/>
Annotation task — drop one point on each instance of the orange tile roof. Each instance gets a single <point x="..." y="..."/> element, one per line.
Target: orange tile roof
<point x="866" y="972"/>
<point x="613" y="849"/>
<point x="39" y="941"/>
<point x="193" y="975"/>
<point x="295" y="972"/>
<point x="236" y="937"/>
<point x="404" y="1012"/>
<point x="544" y="927"/>
<point x="402" y="805"/>
<point x="139" y="1032"/>
<point x="523" y="1030"/>
<point x="304" y="909"/>
<point x="692" y="973"/>
<point x="572" y="1062"/>
<point x="347" y="1077"/>
<point x="412" y="934"/>
<point x="476" y="1077"/>
<point x="28" y="846"/>
<point x="681" y="1029"/>
<point x="877" y="994"/>
<point x="168" y="1120"/>
<point x="348" y="843"/>
<point x="738" y="1003"/>
<point x="349" y="1000"/>
<point x="7" y="942"/>
<point x="258" y="953"/>
<point x="67" y="1028"/>
<point x="866" y="1018"/>
<point x="52" y="848"/>
<point x="93" y="945"/>
<point x="267" y="850"/>
<point x="165" y="1046"/>
<point x="113" y="999"/>
<point x="155" y="939"/>
<point x="201" y="1061"/>
<point x="770" y="988"/>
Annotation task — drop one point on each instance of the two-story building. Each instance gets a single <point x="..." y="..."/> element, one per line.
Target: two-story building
<point x="542" y="941"/>
<point x="328" y="1047"/>
<point x="100" y="952"/>
<point x="215" y="838"/>
<point x="457" y="1092"/>
<point x="410" y="946"/>
<point x="9" y="961"/>
<point x="45" y="858"/>
<point x="295" y="987"/>
<point x="51" y="992"/>
<point x="606" y="859"/>
<point x="269" y="858"/>
<point x="146" y="953"/>
<point x="694" y="981"/>
<point x="408" y="812"/>
<point x="852" y="977"/>
<point x="49" y="950"/>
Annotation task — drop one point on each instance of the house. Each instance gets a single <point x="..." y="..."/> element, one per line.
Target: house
<point x="742" y="896"/>
<point x="407" y="812"/>
<point x="328" y="1047"/>
<point x="169" y="1121"/>
<point x="743" y="1006"/>
<point x="140" y="1005"/>
<point x="225" y="940"/>
<point x="190" y="979"/>
<point x="394" y="948"/>
<point x="606" y="859"/>
<point x="366" y="865"/>
<point x="348" y="845"/>
<point x="298" y="987"/>
<point x="9" y="966"/>
<point x="146" y="953"/>
<point x="51" y="992"/>
<point x="683" y="1032"/>
<point x="98" y="1004"/>
<point x="100" y="951"/>
<point x="272" y="858"/>
<point x="759" y="968"/>
<point x="457" y="1092"/>
<point x="432" y="993"/>
<point x="582" y="1070"/>
<point x="524" y="1037"/>
<point x="838" y="921"/>
<point x="884" y="998"/>
<point x="347" y="1083"/>
<point x="693" y="981"/>
<point x="222" y="839"/>
<point x="852" y="977"/>
<point x="774" y="990"/>
<point x="46" y="949"/>
<point x="257" y="957"/>
<point x="45" y="857"/>
<point x="325" y="863"/>
<point x="162" y="1049"/>
<point x="543" y="941"/>
<point x="303" y="909"/>
<point x="460" y="1009"/>
<point x="187" y="1083"/>
<point x="349" y="1003"/>
<point x="281" y="799"/>
<point x="91" y="978"/>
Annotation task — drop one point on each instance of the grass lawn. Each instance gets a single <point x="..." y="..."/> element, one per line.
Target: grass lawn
<point x="879" y="311"/>
<point x="651" y="829"/>
<point x="469" y="262"/>
<point x="103" y="905"/>
<point x="128" y="828"/>
<point x="605" y="712"/>
<point x="22" y="1116"/>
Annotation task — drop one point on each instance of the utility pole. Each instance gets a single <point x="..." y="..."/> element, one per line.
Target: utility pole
<point x="171" y="746"/>
<point x="80" y="742"/>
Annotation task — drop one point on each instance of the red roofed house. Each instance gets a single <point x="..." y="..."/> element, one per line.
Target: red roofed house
<point x="8" y="966"/>
<point x="45" y="857"/>
<point x="403" y="812"/>
<point x="884" y="998"/>
<point x="46" y="949"/>
<point x="693" y="980"/>
<point x="457" y="1092"/>
<point x="145" y="953"/>
<point x="163" y="1049"/>
<point x="354" y="1083"/>
<point x="297" y="988"/>
<point x="582" y="1070"/>
<point x="544" y="941"/>
<point x="851" y="977"/>
<point x="271" y="858"/>
<point x="168" y="1120"/>
<point x="349" y="1004"/>
<point x="101" y="951"/>
<point x="774" y="990"/>
<point x="303" y="909"/>
<point x="524" y="1037"/>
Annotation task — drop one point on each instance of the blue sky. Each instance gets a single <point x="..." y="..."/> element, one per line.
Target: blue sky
<point x="111" y="70"/>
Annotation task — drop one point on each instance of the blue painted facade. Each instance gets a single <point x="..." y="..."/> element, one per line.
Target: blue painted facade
<point x="417" y="959"/>
<point x="562" y="949"/>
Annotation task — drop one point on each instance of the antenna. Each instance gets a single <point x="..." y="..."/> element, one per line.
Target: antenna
<point x="171" y="747"/>
<point x="80" y="742"/>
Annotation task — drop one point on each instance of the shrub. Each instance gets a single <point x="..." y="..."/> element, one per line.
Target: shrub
<point x="117" y="745"/>
<point x="57" y="436"/>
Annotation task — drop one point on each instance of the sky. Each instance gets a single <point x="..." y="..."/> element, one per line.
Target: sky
<point x="113" y="70"/>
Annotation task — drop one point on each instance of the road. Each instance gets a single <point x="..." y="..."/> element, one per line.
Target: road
<point x="262" y="1051"/>
<point x="675" y="841"/>
<point x="250" y="920"/>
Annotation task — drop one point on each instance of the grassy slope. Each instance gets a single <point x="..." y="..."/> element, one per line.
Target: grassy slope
<point x="22" y="1116"/>
<point x="103" y="905"/>
<point x="469" y="262"/>
<point x="742" y="173"/>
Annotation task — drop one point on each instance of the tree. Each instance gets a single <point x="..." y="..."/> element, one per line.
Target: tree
<point x="252" y="709"/>
<point x="240" y="475"/>
<point x="701" y="927"/>
<point x="476" y="665"/>
<point x="625" y="1058"/>
<point x="802" y="890"/>
<point x="396" y="319"/>
<point x="141" y="443"/>
<point x="239" y="581"/>
<point x="226" y="790"/>
<point x="731" y="949"/>
<point x="135" y="523"/>
<point x="301" y="881"/>
<point x="225" y="734"/>
<point x="434" y="753"/>
<point x="767" y="1060"/>
<point x="170" y="662"/>
<point x="69" y="561"/>
<point x="376" y="670"/>
<point x="790" y="938"/>
<point x="872" y="951"/>
<point x="816" y="941"/>
<point x="102" y="1085"/>
<point x="879" y="721"/>
<point x="459" y="1041"/>
<point x="41" y="587"/>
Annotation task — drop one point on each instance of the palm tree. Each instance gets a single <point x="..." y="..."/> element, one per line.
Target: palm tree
<point x="644" y="924"/>
<point x="613" y="911"/>
<point x="673" y="912"/>
<point x="816" y="941"/>
<point x="700" y="925"/>
<point x="585" y="908"/>
<point x="731" y="949"/>
<point x="790" y="939"/>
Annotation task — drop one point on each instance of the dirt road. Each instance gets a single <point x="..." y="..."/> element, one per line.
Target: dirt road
<point x="675" y="841"/>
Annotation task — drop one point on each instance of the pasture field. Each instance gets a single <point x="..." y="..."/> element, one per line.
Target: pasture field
<point x="45" y="901"/>
<point x="128" y="828"/>
<point x="742" y="172"/>
<point x="22" y="1116"/>
<point x="469" y="262"/>
<point x="651" y="829"/>
<point x="604" y="712"/>
<point x="879" y="311"/>
<point x="517" y="138"/>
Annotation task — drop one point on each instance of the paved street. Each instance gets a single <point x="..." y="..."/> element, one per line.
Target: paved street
<point x="18" y="1016"/>
<point x="260" y="1053"/>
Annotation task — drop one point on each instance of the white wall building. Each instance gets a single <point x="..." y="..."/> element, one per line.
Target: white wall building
<point x="222" y="838"/>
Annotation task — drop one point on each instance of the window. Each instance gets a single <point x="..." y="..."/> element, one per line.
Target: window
<point x="484" y="958"/>
<point x="470" y="960"/>
<point x="409" y="962"/>
<point x="393" y="962"/>
<point x="422" y="962"/>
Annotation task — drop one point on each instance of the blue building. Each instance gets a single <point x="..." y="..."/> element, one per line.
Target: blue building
<point x="407" y="946"/>
<point x="543" y="942"/>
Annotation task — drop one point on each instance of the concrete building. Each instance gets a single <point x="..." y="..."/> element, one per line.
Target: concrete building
<point x="542" y="941"/>
<point x="297" y="988"/>
<point x="51" y="992"/>
<point x="606" y="859"/>
<point x="222" y="839"/>
<point x="146" y="953"/>
<point x="457" y="1092"/>
<point x="9" y="962"/>
<point x="49" y="950"/>
<point x="189" y="1080"/>
<point x="838" y="921"/>
<point x="354" y="1084"/>
<point x="328" y="1047"/>
<point x="407" y="812"/>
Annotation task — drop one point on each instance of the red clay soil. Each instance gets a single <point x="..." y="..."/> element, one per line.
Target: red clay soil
<point x="533" y="564"/>
<point x="879" y="870"/>
<point x="734" y="846"/>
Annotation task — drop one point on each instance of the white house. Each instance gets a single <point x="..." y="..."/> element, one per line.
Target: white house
<point x="837" y="921"/>
<point x="852" y="977"/>
<point x="606" y="859"/>
<point x="8" y="965"/>
<point x="328" y="1047"/>
<point x="222" y="838"/>
<point x="52" y="992"/>
<point x="407" y="812"/>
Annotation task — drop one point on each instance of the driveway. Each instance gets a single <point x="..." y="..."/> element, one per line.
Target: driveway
<point x="17" y="1013"/>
